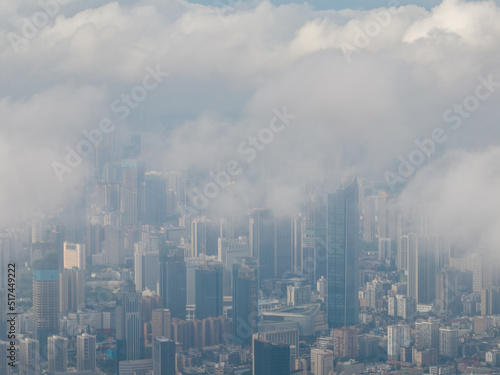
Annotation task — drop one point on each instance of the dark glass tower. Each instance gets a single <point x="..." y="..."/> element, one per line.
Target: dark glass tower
<point x="343" y="231"/>
<point x="245" y="301"/>
<point x="270" y="358"/>
<point x="163" y="356"/>
<point x="155" y="199"/>
<point x="263" y="242"/>
<point x="172" y="275"/>
<point x="284" y="245"/>
<point x="209" y="291"/>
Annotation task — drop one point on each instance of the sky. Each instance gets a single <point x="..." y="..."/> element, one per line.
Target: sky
<point x="358" y="90"/>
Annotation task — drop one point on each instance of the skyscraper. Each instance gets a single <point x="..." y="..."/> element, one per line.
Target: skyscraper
<point x="284" y="244"/>
<point x="74" y="255"/>
<point x="86" y="352"/>
<point x="345" y="342"/>
<point x="146" y="270"/>
<point x="130" y="192"/>
<point x="71" y="290"/>
<point x="160" y="323"/>
<point x="29" y="357"/>
<point x="172" y="275"/>
<point x="448" y="342"/>
<point x="343" y="232"/>
<point x="57" y="354"/>
<point x="262" y="236"/>
<point x="209" y="291"/>
<point x="45" y="301"/>
<point x="398" y="336"/>
<point x="270" y="358"/>
<point x="427" y="334"/>
<point x="422" y="261"/>
<point x="245" y="301"/>
<point x="4" y="366"/>
<point x="155" y="199"/>
<point x="321" y="361"/>
<point x="163" y="356"/>
<point x="128" y="325"/>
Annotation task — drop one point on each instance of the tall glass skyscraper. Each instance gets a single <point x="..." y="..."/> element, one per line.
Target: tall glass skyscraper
<point x="172" y="275"/>
<point x="262" y="235"/>
<point x="343" y="232"/>
<point x="245" y="301"/>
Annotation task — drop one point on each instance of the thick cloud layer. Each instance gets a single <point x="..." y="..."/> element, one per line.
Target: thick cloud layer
<point x="362" y="86"/>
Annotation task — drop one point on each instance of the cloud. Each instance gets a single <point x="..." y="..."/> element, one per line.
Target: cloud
<point x="228" y="72"/>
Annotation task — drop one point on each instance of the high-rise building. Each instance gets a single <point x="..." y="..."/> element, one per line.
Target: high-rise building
<point x="209" y="291"/>
<point x="298" y="294"/>
<point x="45" y="304"/>
<point x="245" y="301"/>
<point x="4" y="361"/>
<point x="131" y="193"/>
<point x="146" y="270"/>
<point x="86" y="352"/>
<point x="398" y="336"/>
<point x="287" y="336"/>
<point x="345" y="342"/>
<point x="204" y="237"/>
<point x="163" y="356"/>
<point x="29" y="357"/>
<point x="172" y="275"/>
<point x="427" y="334"/>
<point x="402" y="258"/>
<point x="343" y="279"/>
<point x="284" y="244"/>
<point x="451" y="285"/>
<point x="422" y="263"/>
<point x="71" y="290"/>
<point x="262" y="236"/>
<point x="128" y="325"/>
<point x="490" y="300"/>
<point x="160" y="323"/>
<point x="270" y="358"/>
<point x="384" y="249"/>
<point x="321" y="361"/>
<point x="232" y="249"/>
<point x="406" y="306"/>
<point x="448" y="342"/>
<point x="74" y="256"/>
<point x="155" y="199"/>
<point x="57" y="354"/>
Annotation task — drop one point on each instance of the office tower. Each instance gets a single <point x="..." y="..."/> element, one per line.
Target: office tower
<point x="245" y="301"/>
<point x="370" y="218"/>
<point x="163" y="356"/>
<point x="343" y="232"/>
<point x="406" y="306"/>
<point x="284" y="245"/>
<point x="270" y="358"/>
<point x="4" y="361"/>
<point x="392" y="306"/>
<point x="345" y="342"/>
<point x="71" y="290"/>
<point x="402" y="259"/>
<point x="451" y="285"/>
<point x="128" y="325"/>
<point x="57" y="354"/>
<point x="262" y="236"/>
<point x="146" y="270"/>
<point x="490" y="301"/>
<point x="155" y="199"/>
<point x="384" y="249"/>
<point x="45" y="301"/>
<point x="131" y="192"/>
<point x="29" y="357"/>
<point x="172" y="287"/>
<point x="387" y="216"/>
<point x="229" y="250"/>
<point x="421" y="269"/>
<point x="287" y="336"/>
<point x="209" y="291"/>
<point x="74" y="255"/>
<point x="448" y="342"/>
<point x="398" y="336"/>
<point x="86" y="352"/>
<point x="160" y="323"/>
<point x="298" y="294"/>
<point x="321" y="361"/>
<point x="204" y="237"/>
<point x="368" y="346"/>
<point x="427" y="334"/>
<point x="192" y="264"/>
<point x="113" y="246"/>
